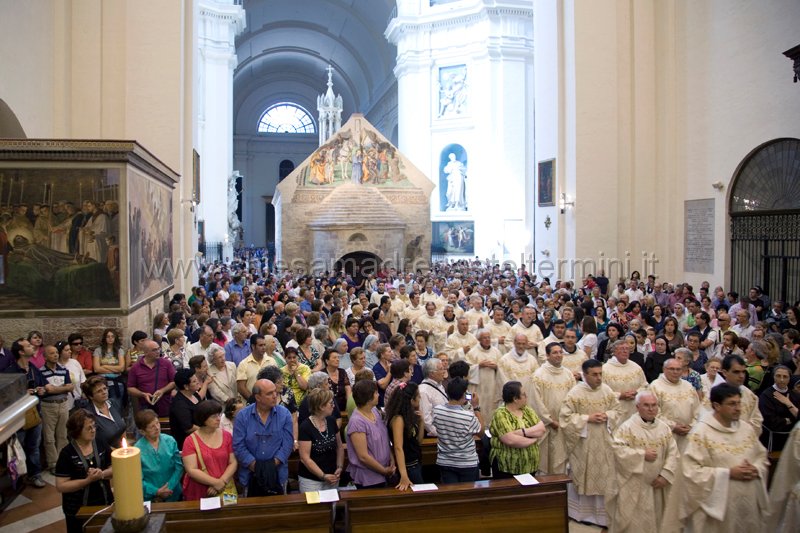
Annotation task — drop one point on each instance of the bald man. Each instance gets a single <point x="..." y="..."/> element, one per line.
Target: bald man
<point x="262" y="442"/>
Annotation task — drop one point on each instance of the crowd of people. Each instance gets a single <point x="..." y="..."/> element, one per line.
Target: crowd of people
<point x="641" y="391"/>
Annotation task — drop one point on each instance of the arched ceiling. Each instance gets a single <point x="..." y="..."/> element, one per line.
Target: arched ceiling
<point x="287" y="45"/>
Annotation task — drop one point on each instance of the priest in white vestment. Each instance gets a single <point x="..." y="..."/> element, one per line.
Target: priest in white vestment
<point x="460" y="342"/>
<point x="573" y="356"/>
<point x="431" y="322"/>
<point x="518" y="365"/>
<point x="551" y="383"/>
<point x="646" y="460"/>
<point x="483" y="376"/>
<point x="678" y="404"/>
<point x="625" y="377"/>
<point x="734" y="370"/>
<point x="784" y="492"/>
<point x="500" y="330"/>
<point x="557" y="330"/>
<point x="527" y="326"/>
<point x="413" y="309"/>
<point x="724" y="471"/>
<point x="478" y="318"/>
<point x="589" y="414"/>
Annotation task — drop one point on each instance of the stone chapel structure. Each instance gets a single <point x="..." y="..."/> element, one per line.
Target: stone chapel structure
<point x="356" y="202"/>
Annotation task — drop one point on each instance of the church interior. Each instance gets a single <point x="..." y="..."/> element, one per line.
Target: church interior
<point x="566" y="139"/>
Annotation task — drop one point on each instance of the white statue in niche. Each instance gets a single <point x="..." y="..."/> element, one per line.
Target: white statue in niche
<point x="456" y="184"/>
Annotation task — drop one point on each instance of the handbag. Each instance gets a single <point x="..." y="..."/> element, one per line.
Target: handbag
<point x="17" y="466"/>
<point x="32" y="419"/>
<point x="229" y="494"/>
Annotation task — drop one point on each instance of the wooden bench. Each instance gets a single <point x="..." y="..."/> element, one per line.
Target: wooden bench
<point x="277" y="513"/>
<point x="491" y="505"/>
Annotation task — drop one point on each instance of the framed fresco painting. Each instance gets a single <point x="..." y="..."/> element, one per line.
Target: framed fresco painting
<point x="150" y="221"/>
<point x="453" y="237"/>
<point x="546" y="183"/>
<point x="85" y="227"/>
<point x="59" y="237"/>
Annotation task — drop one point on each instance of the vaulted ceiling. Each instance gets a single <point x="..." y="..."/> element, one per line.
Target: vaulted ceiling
<point x="287" y="45"/>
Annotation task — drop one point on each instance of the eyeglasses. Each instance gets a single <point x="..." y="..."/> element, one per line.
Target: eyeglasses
<point x="78" y="343"/>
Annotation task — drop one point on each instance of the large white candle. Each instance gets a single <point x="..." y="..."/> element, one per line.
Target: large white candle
<point x="126" y="465"/>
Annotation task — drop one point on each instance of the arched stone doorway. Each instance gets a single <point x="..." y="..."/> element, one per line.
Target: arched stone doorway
<point x="358" y="264"/>
<point x="764" y="207"/>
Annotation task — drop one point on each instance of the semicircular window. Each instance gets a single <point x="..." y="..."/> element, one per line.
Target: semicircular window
<point x="286" y="117"/>
<point x="769" y="179"/>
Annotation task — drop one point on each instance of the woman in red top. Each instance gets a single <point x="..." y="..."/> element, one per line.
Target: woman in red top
<point x="207" y="454"/>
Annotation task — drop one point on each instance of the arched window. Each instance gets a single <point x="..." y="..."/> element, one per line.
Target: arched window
<point x="765" y="221"/>
<point x="284" y="169"/>
<point x="286" y="117"/>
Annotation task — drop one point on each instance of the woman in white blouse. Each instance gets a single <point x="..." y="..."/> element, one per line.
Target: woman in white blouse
<point x="223" y="375"/>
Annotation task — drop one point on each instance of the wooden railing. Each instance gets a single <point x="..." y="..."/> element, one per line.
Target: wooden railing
<point x="491" y="505"/>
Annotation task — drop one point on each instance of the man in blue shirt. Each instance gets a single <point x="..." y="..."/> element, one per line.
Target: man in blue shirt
<point x="263" y="439"/>
<point x="239" y="347"/>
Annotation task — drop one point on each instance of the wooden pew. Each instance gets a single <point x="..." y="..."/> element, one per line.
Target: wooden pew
<point x="491" y="505"/>
<point x="277" y="513"/>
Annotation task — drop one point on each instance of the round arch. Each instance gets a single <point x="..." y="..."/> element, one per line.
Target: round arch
<point x="358" y="264"/>
<point x="764" y="210"/>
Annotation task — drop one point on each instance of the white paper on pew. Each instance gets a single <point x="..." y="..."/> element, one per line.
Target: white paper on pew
<point x="526" y="479"/>
<point x="147" y="504"/>
<point x="424" y="487"/>
<point x="328" y="496"/>
<point x="208" y="504"/>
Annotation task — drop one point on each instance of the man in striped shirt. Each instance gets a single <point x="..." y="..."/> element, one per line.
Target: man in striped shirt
<point x="456" y="426"/>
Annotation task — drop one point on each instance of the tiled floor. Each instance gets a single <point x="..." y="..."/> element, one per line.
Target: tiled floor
<point x="35" y="510"/>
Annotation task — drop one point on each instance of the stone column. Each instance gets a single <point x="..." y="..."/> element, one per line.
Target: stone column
<point x="219" y="22"/>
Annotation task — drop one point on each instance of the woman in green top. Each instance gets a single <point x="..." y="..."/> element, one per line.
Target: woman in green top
<point x="516" y="432"/>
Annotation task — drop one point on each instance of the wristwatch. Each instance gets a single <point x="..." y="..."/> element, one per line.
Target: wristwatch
<point x="476" y="409"/>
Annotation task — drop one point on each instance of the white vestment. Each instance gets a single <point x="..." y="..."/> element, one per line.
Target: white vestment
<point x="620" y="378"/>
<point x="550" y="386"/>
<point x="677" y="404"/>
<point x="712" y="502"/>
<point x="455" y="344"/>
<point x="591" y="459"/>
<point x="484" y="380"/>
<point x="636" y="506"/>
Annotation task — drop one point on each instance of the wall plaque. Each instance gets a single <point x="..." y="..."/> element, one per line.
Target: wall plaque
<point x="698" y="243"/>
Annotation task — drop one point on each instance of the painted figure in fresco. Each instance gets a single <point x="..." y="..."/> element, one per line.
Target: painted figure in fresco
<point x="357" y="159"/>
<point x="456" y="187"/>
<point x="94" y="233"/>
<point x="318" y="167"/>
<point x="41" y="228"/>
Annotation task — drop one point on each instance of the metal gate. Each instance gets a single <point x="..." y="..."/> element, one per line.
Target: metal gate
<point x="765" y="251"/>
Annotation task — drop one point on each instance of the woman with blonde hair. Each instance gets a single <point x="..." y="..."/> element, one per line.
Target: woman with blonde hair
<point x="336" y="326"/>
<point x="319" y="446"/>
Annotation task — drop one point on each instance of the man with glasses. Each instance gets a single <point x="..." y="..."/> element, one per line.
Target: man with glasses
<point x="151" y="380"/>
<point x="81" y="354"/>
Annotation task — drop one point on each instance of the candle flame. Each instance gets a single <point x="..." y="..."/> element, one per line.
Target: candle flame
<point x="124" y="443"/>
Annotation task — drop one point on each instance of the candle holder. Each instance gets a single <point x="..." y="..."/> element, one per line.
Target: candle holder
<point x="130" y="526"/>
